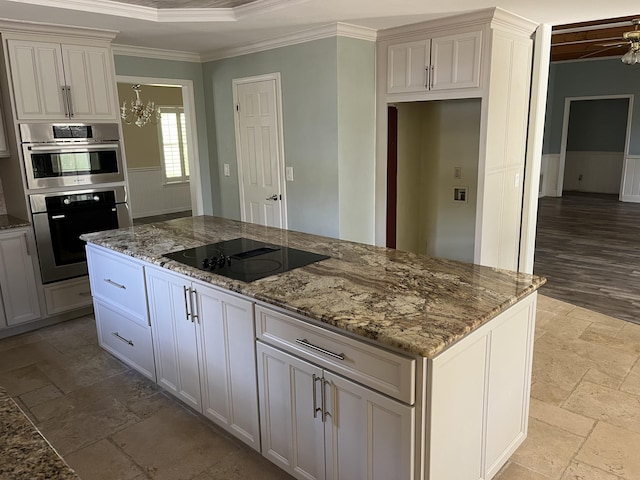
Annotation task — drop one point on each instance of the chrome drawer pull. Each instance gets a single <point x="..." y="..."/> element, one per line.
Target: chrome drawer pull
<point x="186" y="305"/>
<point x="316" y="409"/>
<point x="111" y="282"/>
<point x="117" y="335"/>
<point x="305" y="343"/>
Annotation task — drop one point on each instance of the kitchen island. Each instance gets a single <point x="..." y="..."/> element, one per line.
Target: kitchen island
<point x="438" y="352"/>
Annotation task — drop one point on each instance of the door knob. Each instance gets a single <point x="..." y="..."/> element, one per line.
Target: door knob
<point x="273" y="197"/>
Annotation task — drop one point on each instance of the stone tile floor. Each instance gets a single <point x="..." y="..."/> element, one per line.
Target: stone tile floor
<point x="109" y="422"/>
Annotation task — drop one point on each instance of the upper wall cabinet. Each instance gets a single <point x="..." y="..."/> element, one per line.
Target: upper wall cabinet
<point x="53" y="81"/>
<point x="440" y="63"/>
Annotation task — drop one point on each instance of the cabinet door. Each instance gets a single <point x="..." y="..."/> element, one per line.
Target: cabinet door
<point x="38" y="80"/>
<point x="228" y="362"/>
<point x="18" y="279"/>
<point x="455" y="61"/>
<point x="174" y="335"/>
<point x="89" y="76"/>
<point x="367" y="435"/>
<point x="407" y="67"/>
<point x="292" y="431"/>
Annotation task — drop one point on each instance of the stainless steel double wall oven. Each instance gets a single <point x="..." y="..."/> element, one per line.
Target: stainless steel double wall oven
<point x="75" y="179"/>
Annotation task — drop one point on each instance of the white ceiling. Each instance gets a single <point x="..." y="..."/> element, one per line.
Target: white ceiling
<point x="193" y="26"/>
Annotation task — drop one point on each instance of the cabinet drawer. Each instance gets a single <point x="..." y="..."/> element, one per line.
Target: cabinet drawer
<point x="126" y="340"/>
<point x="118" y="281"/>
<point x="68" y="295"/>
<point x="387" y="372"/>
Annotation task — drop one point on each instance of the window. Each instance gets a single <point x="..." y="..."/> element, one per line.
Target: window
<point x="173" y="144"/>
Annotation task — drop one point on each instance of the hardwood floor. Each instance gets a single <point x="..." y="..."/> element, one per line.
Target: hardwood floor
<point x="587" y="246"/>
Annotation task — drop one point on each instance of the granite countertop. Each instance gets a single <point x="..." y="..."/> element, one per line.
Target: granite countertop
<point x="7" y="222"/>
<point x="24" y="452"/>
<point x="414" y="303"/>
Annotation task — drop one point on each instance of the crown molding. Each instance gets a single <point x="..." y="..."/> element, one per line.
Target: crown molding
<point x="167" y="15"/>
<point x="41" y="28"/>
<point x="105" y="7"/>
<point x="156" y="53"/>
<point x="303" y="36"/>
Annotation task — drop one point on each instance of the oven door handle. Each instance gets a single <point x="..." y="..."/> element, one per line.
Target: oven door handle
<point x="74" y="147"/>
<point x="57" y="217"/>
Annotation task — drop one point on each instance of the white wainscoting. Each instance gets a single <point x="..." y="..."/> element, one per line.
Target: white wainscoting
<point x="148" y="195"/>
<point x="630" y="191"/>
<point x="549" y="170"/>
<point x="600" y="171"/>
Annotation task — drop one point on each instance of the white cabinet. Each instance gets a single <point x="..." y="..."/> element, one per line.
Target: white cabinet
<point x="204" y="343"/>
<point x="53" y="81"/>
<point x="440" y="63"/>
<point x="316" y="424"/>
<point x="480" y="386"/>
<point x="17" y="277"/>
<point x="120" y="306"/>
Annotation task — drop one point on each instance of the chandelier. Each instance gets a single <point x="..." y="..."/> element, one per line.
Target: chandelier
<point x="139" y="113"/>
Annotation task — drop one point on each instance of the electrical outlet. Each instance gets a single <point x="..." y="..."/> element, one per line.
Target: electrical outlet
<point x="227" y="170"/>
<point x="460" y="194"/>
<point x="288" y="172"/>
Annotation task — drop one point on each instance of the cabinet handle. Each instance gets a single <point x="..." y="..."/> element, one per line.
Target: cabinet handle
<point x="57" y="217"/>
<point x="305" y="343"/>
<point x="325" y="412"/>
<point x="194" y="305"/>
<point x="65" y="101"/>
<point x="427" y="80"/>
<point x="432" y="76"/>
<point x="84" y="294"/>
<point x="117" y="285"/>
<point x="315" y="401"/>
<point x="69" y="99"/>
<point x="121" y="338"/>
<point x="186" y="305"/>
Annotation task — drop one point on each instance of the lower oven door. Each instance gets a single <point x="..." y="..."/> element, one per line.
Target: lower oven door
<point x="60" y="250"/>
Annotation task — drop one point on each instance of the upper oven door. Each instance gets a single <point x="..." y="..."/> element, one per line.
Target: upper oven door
<point x="72" y="164"/>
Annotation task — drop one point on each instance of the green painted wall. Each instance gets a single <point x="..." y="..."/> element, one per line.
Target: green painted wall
<point x="589" y="78"/>
<point x="154" y="68"/>
<point x="309" y="111"/>
<point x="328" y="103"/>
<point x="356" y="138"/>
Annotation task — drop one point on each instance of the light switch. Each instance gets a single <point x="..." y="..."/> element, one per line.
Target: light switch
<point x="288" y="172"/>
<point x="227" y="171"/>
<point x="457" y="172"/>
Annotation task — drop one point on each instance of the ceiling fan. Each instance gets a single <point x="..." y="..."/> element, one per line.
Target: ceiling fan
<point x="632" y="39"/>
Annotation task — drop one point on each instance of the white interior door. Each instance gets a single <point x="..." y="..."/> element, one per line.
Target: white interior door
<point x="260" y="151"/>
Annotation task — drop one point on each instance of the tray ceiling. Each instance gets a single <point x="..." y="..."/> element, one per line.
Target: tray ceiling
<point x="188" y="3"/>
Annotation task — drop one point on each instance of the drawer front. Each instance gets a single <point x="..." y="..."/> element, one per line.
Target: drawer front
<point x="118" y="281"/>
<point x="68" y="296"/>
<point x="387" y="372"/>
<point x="126" y="340"/>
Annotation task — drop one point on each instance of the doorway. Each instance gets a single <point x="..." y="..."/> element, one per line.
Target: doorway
<point x="432" y="177"/>
<point x="260" y="150"/>
<point x="594" y="146"/>
<point x="154" y="190"/>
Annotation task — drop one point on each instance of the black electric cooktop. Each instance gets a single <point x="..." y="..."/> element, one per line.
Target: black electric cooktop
<point x="245" y="259"/>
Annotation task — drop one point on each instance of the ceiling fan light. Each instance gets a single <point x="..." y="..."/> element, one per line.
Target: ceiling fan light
<point x="630" y="57"/>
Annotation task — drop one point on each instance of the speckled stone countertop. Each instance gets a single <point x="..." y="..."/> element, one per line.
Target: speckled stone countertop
<point x="24" y="453"/>
<point x="415" y="303"/>
<point x="7" y="222"/>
